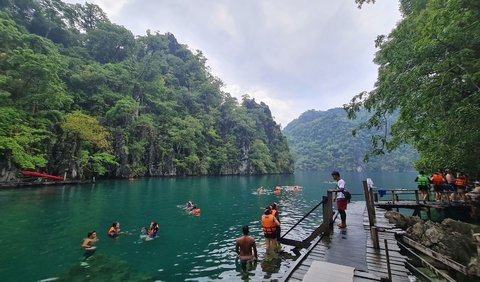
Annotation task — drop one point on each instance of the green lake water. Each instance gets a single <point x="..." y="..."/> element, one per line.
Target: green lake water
<point x="42" y="228"/>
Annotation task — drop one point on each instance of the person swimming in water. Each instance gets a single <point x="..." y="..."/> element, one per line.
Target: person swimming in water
<point x="260" y="190"/>
<point x="153" y="230"/>
<point x="188" y="205"/>
<point x="88" y="244"/>
<point x="114" y="230"/>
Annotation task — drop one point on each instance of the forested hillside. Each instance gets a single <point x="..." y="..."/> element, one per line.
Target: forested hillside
<point x="323" y="140"/>
<point x="429" y="72"/>
<point x="82" y="95"/>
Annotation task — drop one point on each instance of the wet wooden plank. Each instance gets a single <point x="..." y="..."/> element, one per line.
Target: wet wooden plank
<point x="328" y="272"/>
<point x="351" y="240"/>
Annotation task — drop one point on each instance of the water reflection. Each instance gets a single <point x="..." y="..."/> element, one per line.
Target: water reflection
<point x="246" y="269"/>
<point x="271" y="264"/>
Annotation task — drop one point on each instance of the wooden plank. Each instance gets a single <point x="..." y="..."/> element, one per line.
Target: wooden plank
<point x="329" y="272"/>
<point x="437" y="256"/>
<point x="297" y="276"/>
<point x="290" y="242"/>
<point x="368" y="275"/>
<point x="428" y="265"/>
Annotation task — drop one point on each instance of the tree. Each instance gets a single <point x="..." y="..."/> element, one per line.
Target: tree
<point x="109" y="43"/>
<point x="82" y="132"/>
<point x="20" y="143"/>
<point x="429" y="70"/>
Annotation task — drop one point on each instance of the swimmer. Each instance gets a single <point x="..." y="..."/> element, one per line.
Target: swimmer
<point x="153" y="230"/>
<point x="88" y="244"/>
<point x="278" y="190"/>
<point x="188" y="205"/>
<point x="260" y="190"/>
<point x="194" y="210"/>
<point x="114" y="230"/>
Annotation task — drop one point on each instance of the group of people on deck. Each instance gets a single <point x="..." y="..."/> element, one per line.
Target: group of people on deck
<point x="445" y="185"/>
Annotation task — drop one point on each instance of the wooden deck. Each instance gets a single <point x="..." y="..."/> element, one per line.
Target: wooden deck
<point x="376" y="259"/>
<point x="351" y="248"/>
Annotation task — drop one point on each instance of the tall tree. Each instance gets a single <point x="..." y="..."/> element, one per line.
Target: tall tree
<point x="429" y="69"/>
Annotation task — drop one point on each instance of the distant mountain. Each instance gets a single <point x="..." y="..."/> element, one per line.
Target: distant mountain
<point x="323" y="140"/>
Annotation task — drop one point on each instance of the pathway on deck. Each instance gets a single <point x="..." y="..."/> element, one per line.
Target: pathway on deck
<point x="348" y="245"/>
<point x="331" y="258"/>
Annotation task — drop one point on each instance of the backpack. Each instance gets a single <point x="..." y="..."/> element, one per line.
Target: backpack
<point x="348" y="196"/>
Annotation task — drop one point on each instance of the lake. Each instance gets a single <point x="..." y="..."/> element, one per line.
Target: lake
<point x="43" y="228"/>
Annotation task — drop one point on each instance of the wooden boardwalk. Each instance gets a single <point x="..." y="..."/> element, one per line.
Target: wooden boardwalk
<point x="331" y="258"/>
<point x="376" y="258"/>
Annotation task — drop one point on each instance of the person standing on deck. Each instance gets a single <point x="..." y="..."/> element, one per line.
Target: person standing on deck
<point x="423" y="184"/>
<point x="437" y="180"/>
<point x="340" y="198"/>
<point x="451" y="185"/>
<point x="461" y="184"/>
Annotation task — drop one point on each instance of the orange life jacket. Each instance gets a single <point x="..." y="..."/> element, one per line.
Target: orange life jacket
<point x="268" y="224"/>
<point x="460" y="182"/>
<point x="112" y="231"/>
<point x="196" y="211"/>
<point x="437" y="180"/>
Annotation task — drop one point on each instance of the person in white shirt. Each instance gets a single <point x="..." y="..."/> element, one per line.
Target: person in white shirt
<point x="340" y="198"/>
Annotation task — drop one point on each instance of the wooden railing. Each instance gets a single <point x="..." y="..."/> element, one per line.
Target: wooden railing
<point x="394" y="195"/>
<point x="324" y="228"/>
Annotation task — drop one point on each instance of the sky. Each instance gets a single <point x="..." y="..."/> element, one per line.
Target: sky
<point x="293" y="55"/>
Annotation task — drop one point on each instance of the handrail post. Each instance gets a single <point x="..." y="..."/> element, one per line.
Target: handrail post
<point x="374" y="235"/>
<point x="388" y="260"/>
<point x="393" y="196"/>
<point x="370" y="204"/>
<point x="416" y="196"/>
<point x="327" y="211"/>
<point x="375" y="197"/>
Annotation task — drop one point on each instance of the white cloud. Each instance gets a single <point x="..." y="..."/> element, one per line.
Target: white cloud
<point x="111" y="7"/>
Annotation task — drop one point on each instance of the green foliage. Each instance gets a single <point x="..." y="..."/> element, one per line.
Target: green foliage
<point x="430" y="72"/>
<point x="324" y="141"/>
<point x="112" y="104"/>
<point x="19" y="143"/>
<point x="109" y="43"/>
<point x="84" y="128"/>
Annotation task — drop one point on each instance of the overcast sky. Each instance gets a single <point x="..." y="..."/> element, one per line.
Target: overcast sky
<point x="294" y="55"/>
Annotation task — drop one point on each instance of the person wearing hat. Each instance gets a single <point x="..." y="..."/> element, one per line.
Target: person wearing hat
<point x="340" y="198"/>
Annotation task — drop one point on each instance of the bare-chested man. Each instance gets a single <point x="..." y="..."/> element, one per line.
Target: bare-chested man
<point x="246" y="247"/>
<point x="88" y="244"/>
